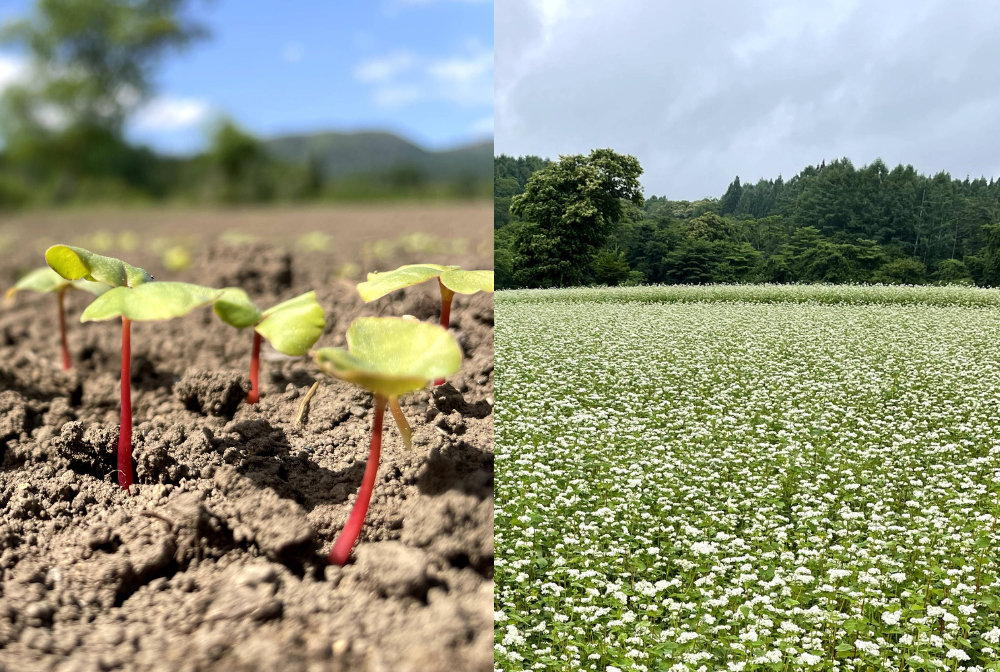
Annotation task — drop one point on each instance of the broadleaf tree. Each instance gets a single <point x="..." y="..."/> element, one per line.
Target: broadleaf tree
<point x="569" y="210"/>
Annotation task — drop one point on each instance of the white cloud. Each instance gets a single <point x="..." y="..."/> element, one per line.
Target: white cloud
<point x="166" y="113"/>
<point x="384" y="68"/>
<point x="466" y="80"/>
<point x="402" y="77"/>
<point x="701" y="92"/>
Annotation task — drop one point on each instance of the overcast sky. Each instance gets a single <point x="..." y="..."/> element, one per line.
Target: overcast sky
<point x="422" y="68"/>
<point x="703" y="91"/>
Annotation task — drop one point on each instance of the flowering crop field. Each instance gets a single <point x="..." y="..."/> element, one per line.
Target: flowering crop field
<point x="729" y="485"/>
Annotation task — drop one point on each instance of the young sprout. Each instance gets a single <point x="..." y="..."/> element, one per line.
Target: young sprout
<point x="451" y="279"/>
<point x="134" y="297"/>
<point x="388" y="356"/>
<point x="46" y="281"/>
<point x="292" y="326"/>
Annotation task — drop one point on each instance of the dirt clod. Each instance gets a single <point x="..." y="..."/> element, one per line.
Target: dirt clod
<point x="212" y="392"/>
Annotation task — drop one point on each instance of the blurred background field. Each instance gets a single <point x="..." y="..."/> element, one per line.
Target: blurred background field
<point x="151" y="129"/>
<point x="350" y="240"/>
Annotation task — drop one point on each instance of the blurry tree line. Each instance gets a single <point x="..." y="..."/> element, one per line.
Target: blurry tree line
<point x="91" y="66"/>
<point x="829" y="223"/>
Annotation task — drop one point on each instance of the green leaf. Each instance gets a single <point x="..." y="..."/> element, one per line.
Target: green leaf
<point x="293" y="326"/>
<point x="391" y="355"/>
<point x="95" y="288"/>
<point x="46" y="281"/>
<point x="468" y="282"/>
<point x="43" y="280"/>
<point x="150" y="302"/>
<point x="75" y="263"/>
<point x="236" y="309"/>
<point x="380" y="284"/>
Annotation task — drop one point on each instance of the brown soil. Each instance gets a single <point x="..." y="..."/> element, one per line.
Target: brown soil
<point x="216" y="560"/>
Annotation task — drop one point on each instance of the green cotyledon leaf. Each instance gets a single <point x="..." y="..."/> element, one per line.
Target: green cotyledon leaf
<point x="76" y="263"/>
<point x="468" y="282"/>
<point x="150" y="302"/>
<point x="391" y="356"/>
<point x="380" y="284"/>
<point x="236" y="309"/>
<point x="293" y="326"/>
<point x="45" y="281"/>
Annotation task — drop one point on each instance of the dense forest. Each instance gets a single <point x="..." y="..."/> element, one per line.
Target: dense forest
<point x="829" y="223"/>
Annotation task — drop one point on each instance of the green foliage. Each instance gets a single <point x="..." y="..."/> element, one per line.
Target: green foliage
<point x="46" y="281"/>
<point x="570" y="208"/>
<point x="149" y="302"/>
<point x="452" y="277"/>
<point x="468" y="282"/>
<point x="75" y="263"/>
<point x="829" y="223"/>
<point x="610" y="267"/>
<point x="235" y="308"/>
<point x="390" y="356"/>
<point x="293" y="326"/>
<point x="953" y="272"/>
<point x="92" y="64"/>
<point x="510" y="175"/>
<point x="93" y="59"/>
<point x="241" y="164"/>
<point x="380" y="284"/>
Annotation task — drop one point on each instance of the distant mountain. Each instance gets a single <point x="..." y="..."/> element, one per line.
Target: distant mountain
<point x="367" y="152"/>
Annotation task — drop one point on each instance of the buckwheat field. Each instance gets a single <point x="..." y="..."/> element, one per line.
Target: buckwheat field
<point x="783" y="482"/>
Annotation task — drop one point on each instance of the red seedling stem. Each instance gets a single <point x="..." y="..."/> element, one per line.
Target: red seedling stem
<point x="446" y="296"/>
<point x="254" y="370"/>
<point x="125" y="431"/>
<point x="62" y="329"/>
<point x="345" y="542"/>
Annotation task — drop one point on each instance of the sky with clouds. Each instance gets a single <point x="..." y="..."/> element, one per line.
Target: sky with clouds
<point x="422" y="68"/>
<point x="701" y="92"/>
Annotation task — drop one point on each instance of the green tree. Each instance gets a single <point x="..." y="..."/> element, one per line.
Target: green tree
<point x="610" y="267"/>
<point x="731" y="199"/>
<point x="91" y="65"/>
<point x="570" y="208"/>
<point x="241" y="163"/>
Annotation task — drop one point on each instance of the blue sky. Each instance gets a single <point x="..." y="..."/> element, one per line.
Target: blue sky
<point x="421" y="68"/>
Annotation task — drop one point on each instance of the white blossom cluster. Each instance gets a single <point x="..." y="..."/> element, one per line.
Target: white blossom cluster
<point x="746" y="486"/>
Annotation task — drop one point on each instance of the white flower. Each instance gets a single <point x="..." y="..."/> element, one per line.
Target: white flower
<point x="890" y="617"/>
<point x="809" y="659"/>
<point x="870" y="648"/>
<point x="704" y="548"/>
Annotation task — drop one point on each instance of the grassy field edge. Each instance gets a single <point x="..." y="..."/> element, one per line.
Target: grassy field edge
<point x="933" y="295"/>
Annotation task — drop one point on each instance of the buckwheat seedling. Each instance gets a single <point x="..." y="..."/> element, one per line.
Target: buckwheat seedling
<point x="292" y="326"/>
<point x="388" y="356"/>
<point x="451" y="279"/>
<point x="133" y="297"/>
<point x="46" y="281"/>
